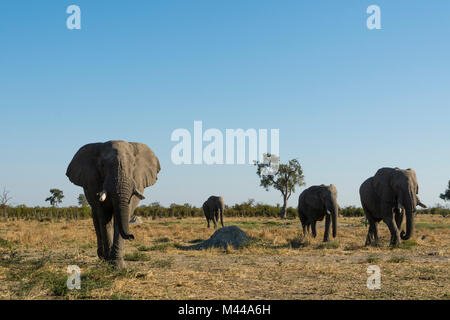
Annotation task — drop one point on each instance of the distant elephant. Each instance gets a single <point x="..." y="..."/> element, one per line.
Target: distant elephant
<point x="213" y="208"/>
<point x="387" y="196"/>
<point x="314" y="204"/>
<point x="113" y="175"/>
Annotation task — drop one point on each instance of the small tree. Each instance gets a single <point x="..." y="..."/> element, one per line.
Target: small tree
<point x="446" y="195"/>
<point x="82" y="201"/>
<point x="4" y="198"/>
<point x="56" y="197"/>
<point x="285" y="179"/>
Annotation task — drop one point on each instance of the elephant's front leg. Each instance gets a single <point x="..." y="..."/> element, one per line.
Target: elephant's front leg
<point x="116" y="256"/>
<point x="326" y="234"/>
<point x="109" y="227"/>
<point x="103" y="230"/>
<point x="100" y="253"/>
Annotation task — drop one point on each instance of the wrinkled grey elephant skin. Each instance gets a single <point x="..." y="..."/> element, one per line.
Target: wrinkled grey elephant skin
<point x="316" y="203"/>
<point x="113" y="175"/>
<point x="213" y="209"/>
<point x="388" y="195"/>
<point x="222" y="238"/>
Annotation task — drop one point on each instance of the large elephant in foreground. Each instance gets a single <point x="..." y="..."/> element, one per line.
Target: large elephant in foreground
<point x="213" y="209"/>
<point x="314" y="204"/>
<point x="387" y="196"/>
<point x="113" y="175"/>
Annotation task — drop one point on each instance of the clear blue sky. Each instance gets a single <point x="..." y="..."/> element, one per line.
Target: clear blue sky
<point x="347" y="100"/>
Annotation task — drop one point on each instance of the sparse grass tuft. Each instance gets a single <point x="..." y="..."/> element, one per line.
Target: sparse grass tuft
<point x="397" y="260"/>
<point x="136" y="256"/>
<point x="100" y="276"/>
<point x="328" y="245"/>
<point x="88" y="245"/>
<point x="372" y="259"/>
<point x="407" y="244"/>
<point x="162" y="247"/>
<point x="163" y="263"/>
<point x="56" y="282"/>
<point x="5" y="244"/>
<point x="299" y="241"/>
<point x="26" y="275"/>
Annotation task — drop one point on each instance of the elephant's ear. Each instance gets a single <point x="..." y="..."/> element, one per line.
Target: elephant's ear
<point x="333" y="188"/>
<point x="82" y="170"/>
<point x="382" y="183"/>
<point x="147" y="165"/>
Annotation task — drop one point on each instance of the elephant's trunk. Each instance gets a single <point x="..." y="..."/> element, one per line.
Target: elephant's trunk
<point x="122" y="217"/>
<point x="332" y="209"/>
<point x="409" y="205"/>
<point x="122" y="195"/>
<point x="334" y="222"/>
<point x="409" y="226"/>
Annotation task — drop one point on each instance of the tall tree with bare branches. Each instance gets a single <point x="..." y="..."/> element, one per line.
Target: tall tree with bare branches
<point x="5" y="198"/>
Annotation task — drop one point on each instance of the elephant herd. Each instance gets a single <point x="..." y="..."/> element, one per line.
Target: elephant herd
<point x="389" y="195"/>
<point x="114" y="175"/>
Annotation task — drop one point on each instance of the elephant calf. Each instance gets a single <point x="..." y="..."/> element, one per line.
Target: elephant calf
<point x="314" y="204"/>
<point x="213" y="208"/>
<point x="387" y="196"/>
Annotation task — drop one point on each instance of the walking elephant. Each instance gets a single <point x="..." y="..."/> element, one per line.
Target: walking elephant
<point x="213" y="208"/>
<point x="388" y="195"/>
<point x="314" y="204"/>
<point x="113" y="175"/>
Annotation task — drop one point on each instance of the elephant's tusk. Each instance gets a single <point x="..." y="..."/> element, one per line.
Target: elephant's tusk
<point x="421" y="204"/>
<point x="138" y="194"/>
<point x="328" y="212"/>
<point x="399" y="206"/>
<point x="102" y="196"/>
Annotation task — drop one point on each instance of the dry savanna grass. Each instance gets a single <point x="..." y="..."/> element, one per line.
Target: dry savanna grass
<point x="278" y="263"/>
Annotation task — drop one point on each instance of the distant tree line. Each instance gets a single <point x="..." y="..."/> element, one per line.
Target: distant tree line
<point x="156" y="211"/>
<point x="292" y="177"/>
